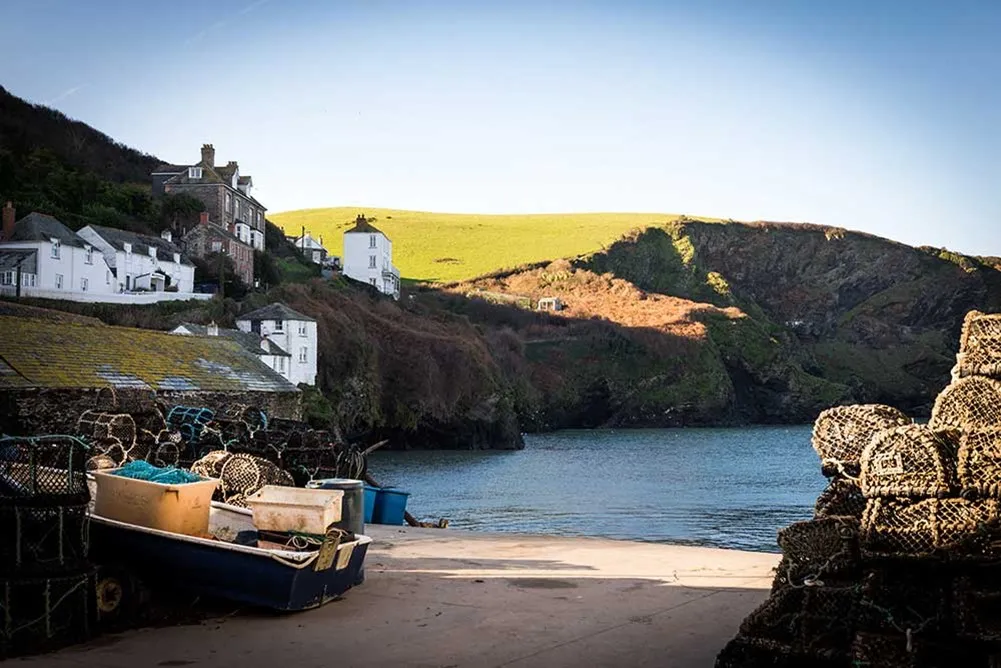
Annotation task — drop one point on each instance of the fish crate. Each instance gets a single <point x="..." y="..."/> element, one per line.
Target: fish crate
<point x="178" y="508"/>
<point x="44" y="469"/>
<point x="43" y="538"/>
<point x="43" y="614"/>
<point x="286" y="509"/>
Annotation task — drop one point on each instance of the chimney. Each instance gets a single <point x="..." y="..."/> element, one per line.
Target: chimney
<point x="8" y="221"/>
<point x="204" y="218"/>
<point x="208" y="155"/>
<point x="212" y="329"/>
<point x="167" y="236"/>
<point x="232" y="165"/>
<point x="266" y="344"/>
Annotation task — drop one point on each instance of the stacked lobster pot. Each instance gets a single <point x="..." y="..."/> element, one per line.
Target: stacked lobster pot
<point x="901" y="565"/>
<point x="47" y="585"/>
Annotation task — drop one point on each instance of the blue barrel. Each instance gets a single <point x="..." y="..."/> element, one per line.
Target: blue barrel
<point x="371" y="493"/>
<point x="390" y="506"/>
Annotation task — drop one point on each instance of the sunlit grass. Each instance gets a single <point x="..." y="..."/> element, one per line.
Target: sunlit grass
<point x="449" y="247"/>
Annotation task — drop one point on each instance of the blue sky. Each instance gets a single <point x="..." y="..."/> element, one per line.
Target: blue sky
<point x="877" y="116"/>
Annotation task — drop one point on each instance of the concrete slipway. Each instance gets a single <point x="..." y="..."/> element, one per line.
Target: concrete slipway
<point x="436" y="598"/>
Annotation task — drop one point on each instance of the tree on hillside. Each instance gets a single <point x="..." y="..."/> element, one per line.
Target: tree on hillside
<point x="208" y="269"/>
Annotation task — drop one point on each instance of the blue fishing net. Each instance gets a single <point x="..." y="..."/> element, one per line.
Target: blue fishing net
<point x="168" y="475"/>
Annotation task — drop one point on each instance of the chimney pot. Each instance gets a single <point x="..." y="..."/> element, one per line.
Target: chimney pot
<point x="8" y="221"/>
<point x="167" y="236"/>
<point x="204" y="218"/>
<point x="208" y="155"/>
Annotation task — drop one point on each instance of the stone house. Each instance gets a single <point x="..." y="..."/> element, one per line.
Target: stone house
<point x="142" y="262"/>
<point x="292" y="331"/>
<point x="368" y="257"/>
<point x="225" y="193"/>
<point x="267" y="350"/>
<point x="209" y="237"/>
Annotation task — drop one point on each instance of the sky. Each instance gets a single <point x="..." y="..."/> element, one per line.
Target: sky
<point x="882" y="116"/>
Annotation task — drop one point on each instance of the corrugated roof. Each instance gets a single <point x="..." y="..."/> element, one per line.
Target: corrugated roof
<point x="42" y="353"/>
<point x="140" y="243"/>
<point x="249" y="340"/>
<point x="276" y="311"/>
<point x="43" y="227"/>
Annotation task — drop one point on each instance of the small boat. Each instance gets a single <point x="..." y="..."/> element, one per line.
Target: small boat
<point x="279" y="579"/>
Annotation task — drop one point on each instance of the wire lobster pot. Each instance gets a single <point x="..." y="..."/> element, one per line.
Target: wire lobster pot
<point x="43" y="469"/>
<point x="979" y="346"/>
<point x="945" y="529"/>
<point x="47" y="613"/>
<point x="840" y="434"/>
<point x="816" y="549"/>
<point x="979" y="463"/>
<point x="911" y="460"/>
<point x="841" y="498"/>
<point x="190" y="421"/>
<point x="968" y="403"/>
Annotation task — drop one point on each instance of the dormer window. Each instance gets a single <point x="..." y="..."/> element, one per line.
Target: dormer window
<point x="128" y="247"/>
<point x="56" y="245"/>
<point x="152" y="252"/>
<point x="90" y="255"/>
<point x="194" y="172"/>
<point x="177" y="258"/>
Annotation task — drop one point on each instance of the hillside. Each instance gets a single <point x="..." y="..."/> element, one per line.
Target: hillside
<point x="451" y="247"/>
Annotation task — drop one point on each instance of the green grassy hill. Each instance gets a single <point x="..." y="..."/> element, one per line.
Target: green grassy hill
<point x="452" y="246"/>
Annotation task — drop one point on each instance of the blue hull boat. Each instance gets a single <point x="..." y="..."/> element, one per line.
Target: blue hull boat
<point x="278" y="579"/>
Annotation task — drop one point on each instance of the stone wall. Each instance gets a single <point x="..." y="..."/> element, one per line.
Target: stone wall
<point x="56" y="411"/>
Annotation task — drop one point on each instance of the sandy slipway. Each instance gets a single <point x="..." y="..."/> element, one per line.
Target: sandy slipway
<point x="451" y="598"/>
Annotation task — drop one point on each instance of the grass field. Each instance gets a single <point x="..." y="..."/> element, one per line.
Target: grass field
<point x="451" y="247"/>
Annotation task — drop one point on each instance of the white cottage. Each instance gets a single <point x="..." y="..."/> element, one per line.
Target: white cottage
<point x="269" y="352"/>
<point x="52" y="259"/>
<point x="368" y="257"/>
<point x="312" y="249"/>
<point x="292" y="331"/>
<point x="142" y="262"/>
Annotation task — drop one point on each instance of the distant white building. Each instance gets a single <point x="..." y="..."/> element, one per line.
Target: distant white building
<point x="312" y="249"/>
<point x="142" y="262"/>
<point x="53" y="260"/>
<point x="368" y="257"/>
<point x="292" y="332"/>
<point x="270" y="352"/>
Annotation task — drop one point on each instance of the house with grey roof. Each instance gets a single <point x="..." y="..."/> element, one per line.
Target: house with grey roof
<point x="262" y="346"/>
<point x="222" y="189"/>
<point x="38" y="254"/>
<point x="293" y="331"/>
<point x="142" y="262"/>
<point x="368" y="257"/>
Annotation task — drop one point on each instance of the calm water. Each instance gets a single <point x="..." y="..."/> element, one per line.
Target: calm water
<point x="722" y="487"/>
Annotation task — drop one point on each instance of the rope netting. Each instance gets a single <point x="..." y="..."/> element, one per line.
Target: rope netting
<point x="911" y="460"/>
<point x="953" y="528"/>
<point x="45" y="613"/>
<point x="968" y="403"/>
<point x="979" y="465"/>
<point x="840" y="434"/>
<point x="240" y="474"/>
<point x="979" y="346"/>
<point x="841" y="498"/>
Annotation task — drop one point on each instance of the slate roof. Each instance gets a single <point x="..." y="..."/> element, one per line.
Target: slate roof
<point x="167" y="168"/>
<point x="363" y="226"/>
<point x="276" y="311"/>
<point x="43" y="227"/>
<point x="249" y="340"/>
<point x="210" y="174"/>
<point x="11" y="256"/>
<point x="47" y="354"/>
<point x="140" y="243"/>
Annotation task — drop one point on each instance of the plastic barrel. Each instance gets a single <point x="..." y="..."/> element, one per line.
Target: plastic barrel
<point x="371" y="494"/>
<point x="390" y="506"/>
<point x="354" y="509"/>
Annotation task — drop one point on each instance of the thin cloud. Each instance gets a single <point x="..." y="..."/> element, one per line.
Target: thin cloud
<point x="223" y="23"/>
<point x="252" y="6"/>
<point x="65" y="94"/>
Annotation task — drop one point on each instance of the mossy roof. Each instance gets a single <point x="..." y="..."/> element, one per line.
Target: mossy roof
<point x="42" y="353"/>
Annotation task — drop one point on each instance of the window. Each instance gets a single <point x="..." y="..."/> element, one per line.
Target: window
<point x="56" y="245"/>
<point x="303" y="355"/>
<point x="372" y="281"/>
<point x="371" y="241"/>
<point x="59" y="281"/>
<point x="371" y="262"/>
<point x="302" y="329"/>
<point x="128" y="248"/>
<point x="177" y="258"/>
<point x="229" y="202"/>
<point x="28" y="280"/>
<point x="90" y="255"/>
<point x="107" y="278"/>
<point x="281" y="365"/>
<point x="7" y="278"/>
<point x="279" y="326"/>
<point x="152" y="252"/>
<point x="83" y="285"/>
<point x="194" y="172"/>
<point x="216" y="246"/>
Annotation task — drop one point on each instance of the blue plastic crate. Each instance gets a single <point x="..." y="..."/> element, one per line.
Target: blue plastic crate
<point x="390" y="505"/>
<point x="371" y="494"/>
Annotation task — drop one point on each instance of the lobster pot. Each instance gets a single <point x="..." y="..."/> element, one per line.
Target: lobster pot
<point x="841" y="498"/>
<point x="954" y="528"/>
<point x="118" y="426"/>
<point x="810" y="621"/>
<point x="979" y="346"/>
<point x="976" y="605"/>
<point x="900" y="598"/>
<point x="968" y="403"/>
<point x="46" y="469"/>
<point x="979" y="462"/>
<point x="168" y="449"/>
<point x="911" y="460"/>
<point x="190" y="421"/>
<point x="254" y="419"/>
<point x="894" y="650"/>
<point x="241" y="475"/>
<point x="43" y="539"/>
<point x="841" y="433"/>
<point x="742" y="652"/>
<point x="820" y="547"/>
<point x="43" y="614"/>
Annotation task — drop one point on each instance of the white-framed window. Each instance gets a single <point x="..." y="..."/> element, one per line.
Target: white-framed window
<point x="303" y="355"/>
<point x="216" y="246"/>
<point x="59" y="281"/>
<point x="177" y="258"/>
<point x="371" y="262"/>
<point x="7" y="278"/>
<point x="279" y="326"/>
<point x="229" y="202"/>
<point x="83" y="285"/>
<point x="302" y="329"/>
<point x="372" y="281"/>
<point x="281" y="365"/>
<point x="152" y="252"/>
<point x="194" y="172"/>
<point x="90" y="255"/>
<point x="107" y="277"/>
<point x="56" y="246"/>
<point x="371" y="241"/>
<point x="28" y="280"/>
